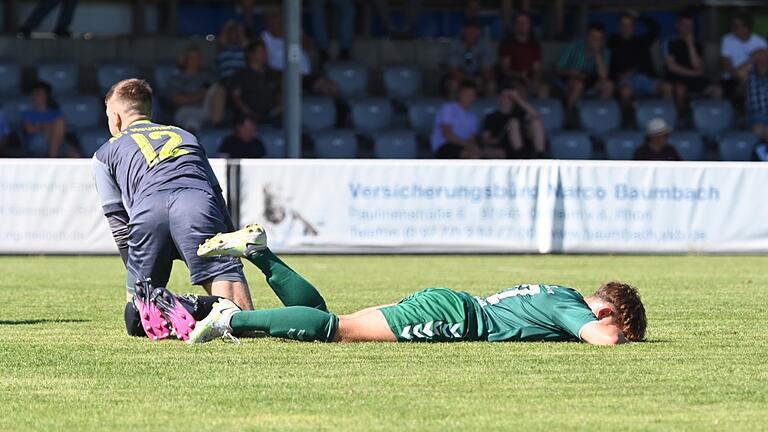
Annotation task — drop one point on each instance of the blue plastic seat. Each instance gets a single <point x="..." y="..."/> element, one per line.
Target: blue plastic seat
<point x="689" y="144"/>
<point x="395" y="144"/>
<point x="91" y="140"/>
<point x="211" y="140"/>
<point x="649" y="109"/>
<point x="712" y="116"/>
<point x="274" y="142"/>
<point x="13" y="108"/>
<point x="621" y="145"/>
<point x="82" y="112"/>
<point x="599" y="117"/>
<point x="422" y="112"/>
<point x="571" y="145"/>
<point x="317" y="113"/>
<point x="737" y="145"/>
<point x="550" y="112"/>
<point x="482" y="107"/>
<point x="402" y="81"/>
<point x="335" y="144"/>
<point x="371" y="115"/>
<point x="111" y="72"/>
<point x="62" y="75"/>
<point x="10" y="78"/>
<point x="351" y="77"/>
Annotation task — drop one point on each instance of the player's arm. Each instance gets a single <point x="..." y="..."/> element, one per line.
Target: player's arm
<point x="597" y="333"/>
<point x="112" y="204"/>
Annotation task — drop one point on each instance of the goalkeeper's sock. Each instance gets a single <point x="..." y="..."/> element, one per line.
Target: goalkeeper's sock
<point x="289" y="286"/>
<point x="295" y="322"/>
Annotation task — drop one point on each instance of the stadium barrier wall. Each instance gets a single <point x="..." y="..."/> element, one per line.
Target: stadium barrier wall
<point x="376" y="206"/>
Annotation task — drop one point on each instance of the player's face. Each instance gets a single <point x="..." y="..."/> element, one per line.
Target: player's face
<point x="113" y="118"/>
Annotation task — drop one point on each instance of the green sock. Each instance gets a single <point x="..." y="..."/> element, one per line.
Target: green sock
<point x="294" y="322"/>
<point x="289" y="286"/>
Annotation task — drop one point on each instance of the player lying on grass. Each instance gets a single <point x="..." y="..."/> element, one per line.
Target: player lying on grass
<point x="613" y="315"/>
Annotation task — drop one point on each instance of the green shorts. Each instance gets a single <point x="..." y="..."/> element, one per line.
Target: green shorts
<point x="432" y="315"/>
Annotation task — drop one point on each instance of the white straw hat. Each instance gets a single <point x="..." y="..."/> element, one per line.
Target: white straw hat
<point x="657" y="127"/>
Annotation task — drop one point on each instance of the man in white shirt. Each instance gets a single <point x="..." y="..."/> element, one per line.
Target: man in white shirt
<point x="736" y="51"/>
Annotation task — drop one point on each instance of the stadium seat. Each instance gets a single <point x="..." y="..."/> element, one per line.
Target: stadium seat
<point x="274" y="142"/>
<point x="14" y="107"/>
<point x="736" y="145"/>
<point x="551" y="113"/>
<point x="689" y="144"/>
<point x="10" y="78"/>
<point x="211" y="140"/>
<point x="712" y="116"/>
<point x="82" y="112"/>
<point x="571" y="145"/>
<point x="91" y="140"/>
<point x="395" y="144"/>
<point x="422" y="112"/>
<point x="336" y="144"/>
<point x="621" y="145"/>
<point x="62" y="75"/>
<point x="351" y="77"/>
<point x="646" y="110"/>
<point x="482" y="107"/>
<point x="162" y="75"/>
<point x="317" y="113"/>
<point x="598" y="117"/>
<point x="371" y="115"/>
<point x="111" y="72"/>
<point x="402" y="81"/>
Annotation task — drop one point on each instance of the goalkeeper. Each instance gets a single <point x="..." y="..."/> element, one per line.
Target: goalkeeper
<point x="612" y="315"/>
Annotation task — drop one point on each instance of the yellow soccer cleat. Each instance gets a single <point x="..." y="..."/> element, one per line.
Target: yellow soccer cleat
<point x="240" y="243"/>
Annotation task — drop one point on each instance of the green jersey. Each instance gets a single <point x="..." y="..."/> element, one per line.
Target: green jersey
<point x="533" y="312"/>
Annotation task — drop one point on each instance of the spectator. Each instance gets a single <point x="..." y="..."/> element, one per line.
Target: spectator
<point x="273" y="40"/>
<point x="502" y="131"/>
<point x="656" y="146"/>
<point x="584" y="65"/>
<point x="412" y="18"/>
<point x="244" y="142"/>
<point x="470" y="59"/>
<point x="346" y="27"/>
<point x="757" y="94"/>
<point x="736" y="51"/>
<point x="44" y="128"/>
<point x="632" y="67"/>
<point x="255" y="89"/>
<point x="455" y="132"/>
<point x="230" y="57"/>
<point x="245" y="8"/>
<point x="188" y="91"/>
<point x="685" y="66"/>
<point x="43" y="8"/>
<point x="520" y="58"/>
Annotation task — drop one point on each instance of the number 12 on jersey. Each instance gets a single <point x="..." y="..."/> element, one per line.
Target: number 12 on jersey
<point x="169" y="151"/>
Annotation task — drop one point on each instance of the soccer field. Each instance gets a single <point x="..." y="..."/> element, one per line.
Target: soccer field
<point x="66" y="363"/>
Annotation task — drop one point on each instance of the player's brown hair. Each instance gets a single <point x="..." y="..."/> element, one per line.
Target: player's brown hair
<point x="135" y="93"/>
<point x="630" y="312"/>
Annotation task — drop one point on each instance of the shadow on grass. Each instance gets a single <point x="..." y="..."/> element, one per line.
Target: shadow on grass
<point x="41" y="321"/>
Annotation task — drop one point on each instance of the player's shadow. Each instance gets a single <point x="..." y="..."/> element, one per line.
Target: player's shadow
<point x="41" y="321"/>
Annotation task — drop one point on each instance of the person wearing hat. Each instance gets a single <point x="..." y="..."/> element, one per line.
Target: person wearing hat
<point x="656" y="146"/>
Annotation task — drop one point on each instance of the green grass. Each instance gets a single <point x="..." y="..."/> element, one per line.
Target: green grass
<point x="66" y="363"/>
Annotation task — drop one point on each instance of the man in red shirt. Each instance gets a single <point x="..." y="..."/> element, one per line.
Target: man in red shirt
<point x="520" y="58"/>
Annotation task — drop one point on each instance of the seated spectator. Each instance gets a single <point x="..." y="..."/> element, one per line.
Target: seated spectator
<point x="757" y="94"/>
<point x="632" y="66"/>
<point x="502" y="131"/>
<point x="188" y="90"/>
<point x="469" y="59"/>
<point x="44" y="128"/>
<point x="346" y="11"/>
<point x="736" y="51"/>
<point x="455" y="133"/>
<point x="685" y="65"/>
<point x="275" y="44"/>
<point x="584" y="66"/>
<point x="255" y="90"/>
<point x="657" y="146"/>
<point x="520" y="58"/>
<point x="230" y="57"/>
<point x="244" y="143"/>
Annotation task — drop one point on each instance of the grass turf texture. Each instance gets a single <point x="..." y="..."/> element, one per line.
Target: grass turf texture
<point x="66" y="363"/>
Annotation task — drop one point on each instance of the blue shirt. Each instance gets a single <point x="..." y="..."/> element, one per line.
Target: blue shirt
<point x="463" y="123"/>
